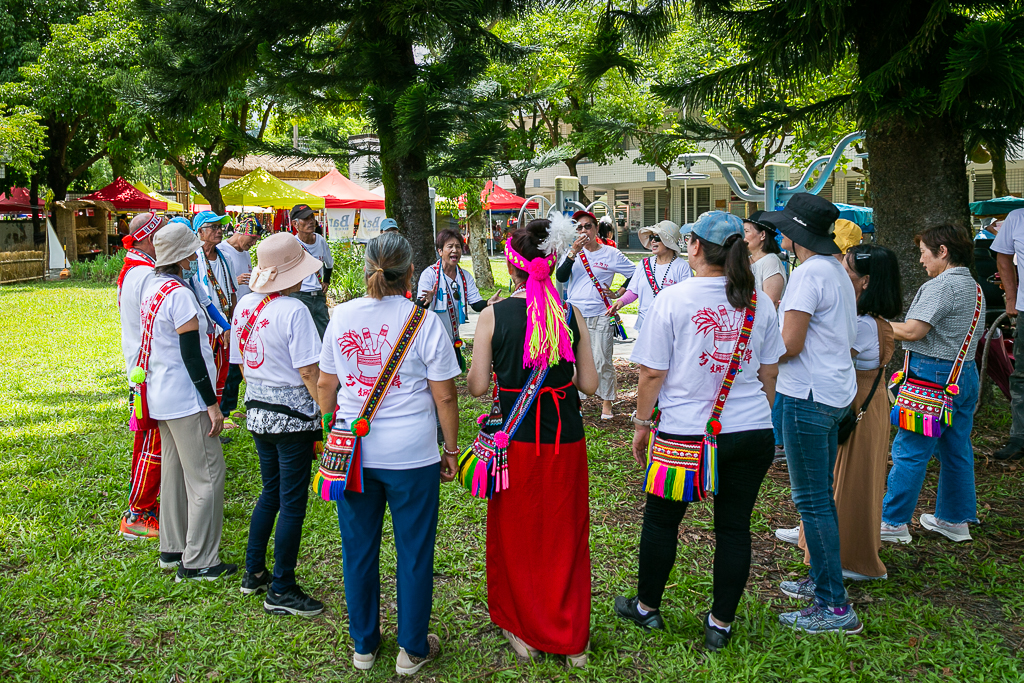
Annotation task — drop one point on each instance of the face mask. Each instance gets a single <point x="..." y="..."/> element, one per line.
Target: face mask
<point x="191" y="271"/>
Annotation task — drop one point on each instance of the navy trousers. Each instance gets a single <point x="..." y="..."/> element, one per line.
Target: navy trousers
<point x="412" y="496"/>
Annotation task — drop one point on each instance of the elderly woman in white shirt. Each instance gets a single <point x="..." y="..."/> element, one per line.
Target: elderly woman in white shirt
<point x="401" y="467"/>
<point x="275" y="341"/>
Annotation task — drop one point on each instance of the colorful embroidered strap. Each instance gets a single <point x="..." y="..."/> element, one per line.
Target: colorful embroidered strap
<point x="713" y="426"/>
<point x="133" y="258"/>
<point x="453" y="316"/>
<point x="148" y="318"/>
<point x="387" y="373"/>
<point x="616" y="320"/>
<point x="649" y="272"/>
<point x="225" y="304"/>
<point x="250" y="324"/>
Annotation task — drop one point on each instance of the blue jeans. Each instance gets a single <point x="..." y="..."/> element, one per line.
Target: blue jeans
<point x="777" y="420"/>
<point x="285" y="470"/>
<point x="412" y="495"/>
<point x="956" y="501"/>
<point x="810" y="431"/>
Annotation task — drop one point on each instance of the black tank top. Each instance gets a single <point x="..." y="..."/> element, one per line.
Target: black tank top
<point x="507" y="358"/>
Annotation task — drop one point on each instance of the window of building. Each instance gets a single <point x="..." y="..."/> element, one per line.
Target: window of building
<point x="698" y="201"/>
<point x="854" y="195"/>
<point x="983" y="186"/>
<point x="650" y="207"/>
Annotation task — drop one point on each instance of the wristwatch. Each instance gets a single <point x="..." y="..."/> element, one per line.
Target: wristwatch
<point x="640" y="423"/>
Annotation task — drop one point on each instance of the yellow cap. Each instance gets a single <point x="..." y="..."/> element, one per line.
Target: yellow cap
<point x="847" y="234"/>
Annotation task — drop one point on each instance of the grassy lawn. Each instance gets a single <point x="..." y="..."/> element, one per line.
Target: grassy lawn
<point x="78" y="603"/>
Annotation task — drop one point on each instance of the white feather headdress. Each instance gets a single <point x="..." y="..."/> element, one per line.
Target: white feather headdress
<point x="561" y="234"/>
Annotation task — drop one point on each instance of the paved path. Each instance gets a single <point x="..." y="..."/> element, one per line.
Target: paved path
<point x="622" y="349"/>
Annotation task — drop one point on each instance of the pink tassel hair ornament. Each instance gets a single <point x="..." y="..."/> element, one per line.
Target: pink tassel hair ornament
<point x="548" y="339"/>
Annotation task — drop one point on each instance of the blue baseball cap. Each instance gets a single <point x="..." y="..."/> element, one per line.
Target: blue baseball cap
<point x="716" y="226"/>
<point x="183" y="221"/>
<point x="204" y="217"/>
<point x="388" y="224"/>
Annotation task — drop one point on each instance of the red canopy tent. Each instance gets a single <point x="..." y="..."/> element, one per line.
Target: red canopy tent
<point x="495" y="198"/>
<point x="341" y="193"/>
<point x="19" y="201"/>
<point x="125" y="197"/>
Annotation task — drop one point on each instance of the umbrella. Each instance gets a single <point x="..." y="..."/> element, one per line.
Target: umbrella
<point x="996" y="207"/>
<point x="864" y="216"/>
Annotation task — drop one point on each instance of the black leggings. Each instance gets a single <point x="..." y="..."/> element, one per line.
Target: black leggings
<point x="743" y="461"/>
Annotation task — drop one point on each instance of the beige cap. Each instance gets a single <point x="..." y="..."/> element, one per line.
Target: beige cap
<point x="281" y="263"/>
<point x="666" y="230"/>
<point x="173" y="243"/>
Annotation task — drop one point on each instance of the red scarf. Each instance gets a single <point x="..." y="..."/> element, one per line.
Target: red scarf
<point x="133" y="258"/>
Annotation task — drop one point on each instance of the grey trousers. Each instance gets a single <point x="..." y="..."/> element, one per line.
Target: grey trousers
<point x="191" y="491"/>
<point x="316" y="302"/>
<point x="1017" y="383"/>
<point x="601" y="344"/>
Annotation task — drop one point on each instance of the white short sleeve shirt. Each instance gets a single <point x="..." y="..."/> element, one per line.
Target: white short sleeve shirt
<point x="1010" y="240"/>
<point x="170" y="391"/>
<point x="580" y="290"/>
<point x="866" y="344"/>
<point x="322" y="250"/>
<point x="665" y="275"/>
<point x="824" y="368"/>
<point x="691" y="331"/>
<point x="240" y="263"/>
<point x="358" y="340"/>
<point x="450" y="288"/>
<point x="283" y="339"/>
<point x="130" y="308"/>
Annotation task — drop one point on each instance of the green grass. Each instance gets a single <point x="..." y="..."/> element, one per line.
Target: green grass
<point x="77" y="603"/>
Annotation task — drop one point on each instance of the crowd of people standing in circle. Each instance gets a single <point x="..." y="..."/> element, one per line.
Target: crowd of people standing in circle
<point x="742" y="359"/>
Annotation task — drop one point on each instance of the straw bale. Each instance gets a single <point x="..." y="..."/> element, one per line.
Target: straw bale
<point x="16" y="266"/>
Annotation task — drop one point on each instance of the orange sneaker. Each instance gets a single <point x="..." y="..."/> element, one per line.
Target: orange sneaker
<point x="134" y="527"/>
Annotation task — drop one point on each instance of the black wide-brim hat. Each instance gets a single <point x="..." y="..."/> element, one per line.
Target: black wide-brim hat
<point x="756" y="219"/>
<point x="807" y="220"/>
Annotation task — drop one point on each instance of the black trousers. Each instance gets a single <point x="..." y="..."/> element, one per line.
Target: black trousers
<point x="743" y="461"/>
<point x="316" y="302"/>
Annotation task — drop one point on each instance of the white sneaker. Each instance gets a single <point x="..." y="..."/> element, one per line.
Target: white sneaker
<point x="791" y="536"/>
<point x="896" y="534"/>
<point x="954" y="532"/>
<point x="407" y="665"/>
<point x="857" y="576"/>
<point x="365" y="662"/>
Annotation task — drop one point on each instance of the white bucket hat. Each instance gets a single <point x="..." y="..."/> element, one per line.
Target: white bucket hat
<point x="666" y="230"/>
<point x="173" y="243"/>
<point x="281" y="263"/>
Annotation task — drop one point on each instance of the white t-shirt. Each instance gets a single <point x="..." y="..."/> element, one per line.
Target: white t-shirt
<point x="321" y="250"/>
<point x="691" y="331"/>
<point x="765" y="267"/>
<point x="240" y="263"/>
<point x="282" y="340"/>
<point x="866" y="344"/>
<point x="131" y="313"/>
<point x="821" y="287"/>
<point x="1010" y="240"/>
<point x="665" y="275"/>
<point x="453" y="288"/>
<point x="170" y="391"/>
<point x="403" y="433"/>
<point x="580" y="290"/>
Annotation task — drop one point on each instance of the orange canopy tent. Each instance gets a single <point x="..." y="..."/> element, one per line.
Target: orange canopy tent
<point x="341" y="193"/>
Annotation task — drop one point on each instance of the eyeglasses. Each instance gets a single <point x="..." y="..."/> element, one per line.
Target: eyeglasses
<point x="585" y="226"/>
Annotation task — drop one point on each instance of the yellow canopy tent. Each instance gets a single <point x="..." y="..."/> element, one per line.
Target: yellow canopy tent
<point x="172" y="205"/>
<point x="259" y="188"/>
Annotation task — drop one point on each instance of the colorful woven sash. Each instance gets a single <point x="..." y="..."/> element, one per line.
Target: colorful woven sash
<point x="483" y="466"/>
<point x="225" y="302"/>
<point x="613" y="319"/>
<point x="139" y="420"/>
<point x="453" y="316"/>
<point x="651" y="279"/>
<point x="688" y="470"/>
<point x="341" y="465"/>
<point x="250" y="323"/>
<point x="924" y="407"/>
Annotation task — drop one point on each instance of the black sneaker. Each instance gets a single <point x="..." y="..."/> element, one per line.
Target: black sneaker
<point x="254" y="584"/>
<point x="225" y="440"/>
<point x="627" y="609"/>
<point x="206" y="573"/>
<point x="1013" y="449"/>
<point x="715" y="638"/>
<point x="294" y="601"/>
<point x="169" y="560"/>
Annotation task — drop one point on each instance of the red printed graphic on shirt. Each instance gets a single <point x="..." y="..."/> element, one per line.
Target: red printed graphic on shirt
<point x="723" y="327"/>
<point x="253" y="354"/>
<point x="370" y="352"/>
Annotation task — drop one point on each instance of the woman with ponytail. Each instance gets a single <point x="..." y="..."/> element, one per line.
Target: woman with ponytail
<point x="401" y="467"/>
<point x="538" y="552"/>
<point x="693" y="331"/>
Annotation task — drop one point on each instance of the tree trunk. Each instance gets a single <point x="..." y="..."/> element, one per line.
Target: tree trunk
<point x="999" y="186"/>
<point x="407" y="200"/>
<point x="120" y="167"/>
<point x="918" y="180"/>
<point x="480" y="230"/>
<point x="520" y="185"/>
<point x="33" y="197"/>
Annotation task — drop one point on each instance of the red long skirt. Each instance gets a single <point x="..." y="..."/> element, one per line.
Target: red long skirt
<point x="538" y="548"/>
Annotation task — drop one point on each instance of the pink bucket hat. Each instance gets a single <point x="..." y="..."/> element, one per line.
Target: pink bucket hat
<point x="281" y="263"/>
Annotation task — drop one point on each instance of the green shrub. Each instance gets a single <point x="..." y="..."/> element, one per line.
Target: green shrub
<point x="100" y="269"/>
<point x="347" y="280"/>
